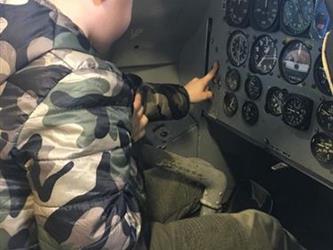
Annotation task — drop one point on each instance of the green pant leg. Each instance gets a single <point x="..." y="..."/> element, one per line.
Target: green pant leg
<point x="248" y="230"/>
<point x="169" y="196"/>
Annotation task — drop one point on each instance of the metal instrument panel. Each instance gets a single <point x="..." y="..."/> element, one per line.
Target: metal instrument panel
<point x="274" y="132"/>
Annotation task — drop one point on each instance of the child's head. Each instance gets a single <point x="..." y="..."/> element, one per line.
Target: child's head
<point x="102" y="21"/>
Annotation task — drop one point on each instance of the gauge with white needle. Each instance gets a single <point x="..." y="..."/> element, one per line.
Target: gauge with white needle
<point x="263" y="55"/>
<point x="322" y="149"/>
<point x="325" y="116"/>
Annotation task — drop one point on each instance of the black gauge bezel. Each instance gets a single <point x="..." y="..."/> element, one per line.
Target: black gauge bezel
<point x="315" y="76"/>
<point x="232" y="35"/>
<point x="226" y="112"/>
<point x="318" y="135"/>
<point x="258" y="84"/>
<point x="304" y="33"/>
<point x="243" y="24"/>
<point x="273" y="27"/>
<point x="308" y="105"/>
<point x="253" y="120"/>
<point x="285" y="48"/>
<point x="320" y="120"/>
<point x="230" y="71"/>
<point x="268" y="100"/>
<point x="253" y="68"/>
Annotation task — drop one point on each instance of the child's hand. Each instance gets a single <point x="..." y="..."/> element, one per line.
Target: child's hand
<point x="139" y="120"/>
<point x="197" y="89"/>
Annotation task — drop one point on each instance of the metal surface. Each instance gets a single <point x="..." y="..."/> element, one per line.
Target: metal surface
<point x="291" y="145"/>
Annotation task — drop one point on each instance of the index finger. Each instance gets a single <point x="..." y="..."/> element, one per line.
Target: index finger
<point x="212" y="73"/>
<point x="137" y="102"/>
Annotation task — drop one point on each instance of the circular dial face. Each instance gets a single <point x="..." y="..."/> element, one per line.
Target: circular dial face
<point x="264" y="55"/>
<point x="237" y="12"/>
<point x="322" y="148"/>
<point x="297" y="16"/>
<point x="253" y="87"/>
<point x="275" y="100"/>
<point x="325" y="115"/>
<point x="230" y="104"/>
<point x="250" y="113"/>
<point x="321" y="78"/>
<point x="295" y="62"/>
<point x="238" y="48"/>
<point x="265" y="13"/>
<point x="233" y="80"/>
<point x="296" y="112"/>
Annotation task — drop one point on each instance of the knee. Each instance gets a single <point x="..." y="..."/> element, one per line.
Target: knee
<point x="267" y="221"/>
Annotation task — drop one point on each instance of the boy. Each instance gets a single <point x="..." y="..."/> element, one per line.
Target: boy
<point x="67" y="177"/>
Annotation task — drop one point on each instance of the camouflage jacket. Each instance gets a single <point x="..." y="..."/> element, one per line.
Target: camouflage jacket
<point x="67" y="178"/>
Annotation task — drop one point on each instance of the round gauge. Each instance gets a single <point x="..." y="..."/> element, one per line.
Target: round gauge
<point x="233" y="80"/>
<point x="321" y="78"/>
<point x="237" y="12"/>
<point x="263" y="55"/>
<point x="250" y="113"/>
<point x="253" y="87"/>
<point x="322" y="148"/>
<point x="297" y="16"/>
<point x="238" y="48"/>
<point x="297" y="111"/>
<point x="295" y="62"/>
<point x="265" y="13"/>
<point x="230" y="104"/>
<point x="325" y="115"/>
<point x="275" y="100"/>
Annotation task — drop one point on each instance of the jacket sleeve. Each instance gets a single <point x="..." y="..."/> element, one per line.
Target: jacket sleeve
<point x="76" y="144"/>
<point x="161" y="101"/>
<point x="164" y="101"/>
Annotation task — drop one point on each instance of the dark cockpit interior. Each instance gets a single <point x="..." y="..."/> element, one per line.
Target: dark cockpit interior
<point x="270" y="123"/>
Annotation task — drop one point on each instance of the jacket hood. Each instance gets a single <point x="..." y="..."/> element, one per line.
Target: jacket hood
<point x="31" y="28"/>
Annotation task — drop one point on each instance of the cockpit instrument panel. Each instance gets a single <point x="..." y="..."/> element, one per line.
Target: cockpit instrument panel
<point x="274" y="91"/>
